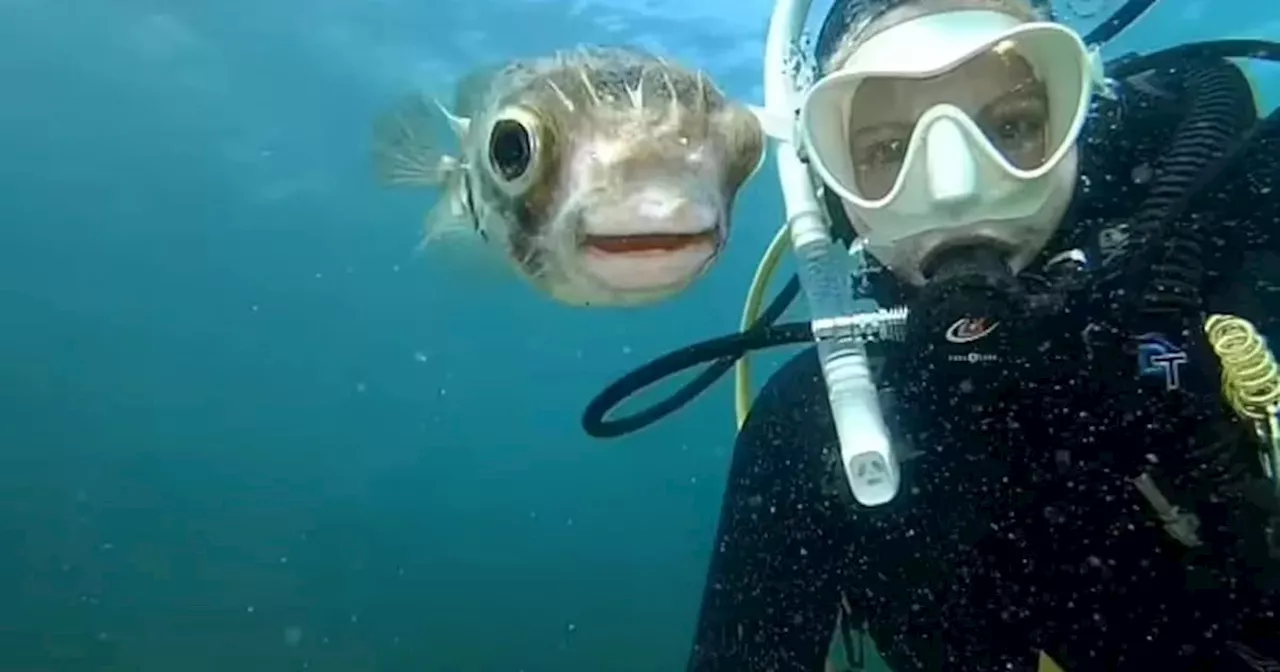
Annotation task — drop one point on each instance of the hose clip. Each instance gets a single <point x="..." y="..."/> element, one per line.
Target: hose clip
<point x="886" y="324"/>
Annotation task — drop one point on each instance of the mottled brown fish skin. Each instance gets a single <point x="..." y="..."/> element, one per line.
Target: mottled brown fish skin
<point x="611" y="119"/>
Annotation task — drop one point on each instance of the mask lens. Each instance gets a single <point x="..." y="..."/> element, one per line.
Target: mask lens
<point x="1023" y="104"/>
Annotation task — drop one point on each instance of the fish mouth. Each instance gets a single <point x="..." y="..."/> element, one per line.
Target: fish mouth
<point x="649" y="261"/>
<point x="640" y="243"/>
<point x="657" y="239"/>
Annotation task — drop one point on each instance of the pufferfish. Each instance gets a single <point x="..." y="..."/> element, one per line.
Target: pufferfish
<point x="605" y="176"/>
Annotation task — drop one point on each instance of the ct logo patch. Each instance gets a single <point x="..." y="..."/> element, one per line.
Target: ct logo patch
<point x="1157" y="357"/>
<point x="970" y="329"/>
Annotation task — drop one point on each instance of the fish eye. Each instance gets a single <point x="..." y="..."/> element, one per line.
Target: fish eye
<point x="513" y="149"/>
<point x="510" y="149"/>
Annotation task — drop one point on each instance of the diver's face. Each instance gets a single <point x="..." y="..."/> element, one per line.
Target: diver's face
<point x="952" y="129"/>
<point x="997" y="89"/>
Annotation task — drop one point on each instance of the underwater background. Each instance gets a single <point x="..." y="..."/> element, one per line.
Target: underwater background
<point x="244" y="426"/>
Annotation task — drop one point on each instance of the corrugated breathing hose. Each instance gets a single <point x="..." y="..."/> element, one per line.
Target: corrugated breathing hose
<point x="1161" y="280"/>
<point x="1164" y="267"/>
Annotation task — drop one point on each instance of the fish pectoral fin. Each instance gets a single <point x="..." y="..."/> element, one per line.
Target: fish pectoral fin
<point x="406" y="150"/>
<point x="452" y="217"/>
<point x="776" y="126"/>
<point x="453" y="224"/>
<point x="406" y="154"/>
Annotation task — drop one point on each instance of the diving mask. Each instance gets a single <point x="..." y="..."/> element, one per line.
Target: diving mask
<point x="953" y="128"/>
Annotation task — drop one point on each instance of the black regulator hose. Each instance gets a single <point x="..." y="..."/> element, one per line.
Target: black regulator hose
<point x="721" y="353"/>
<point x="1163" y="265"/>
<point x="1166" y="197"/>
<point x="1165" y="257"/>
<point x="719" y="350"/>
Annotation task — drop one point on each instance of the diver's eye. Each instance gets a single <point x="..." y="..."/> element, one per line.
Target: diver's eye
<point x="885" y="153"/>
<point x="877" y="157"/>
<point x="1018" y="130"/>
<point x="1018" y="126"/>
<point x="511" y="148"/>
<point x="1021" y="139"/>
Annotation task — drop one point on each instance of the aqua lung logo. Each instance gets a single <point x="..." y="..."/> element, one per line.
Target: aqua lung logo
<point x="973" y="358"/>
<point x="1159" y="358"/>
<point x="968" y="329"/>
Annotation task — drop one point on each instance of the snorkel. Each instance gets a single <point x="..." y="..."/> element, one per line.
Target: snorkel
<point x="840" y="330"/>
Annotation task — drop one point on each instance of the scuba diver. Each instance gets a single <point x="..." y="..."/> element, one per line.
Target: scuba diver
<point x="1076" y="493"/>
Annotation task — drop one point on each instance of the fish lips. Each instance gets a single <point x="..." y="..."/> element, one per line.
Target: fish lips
<point x="649" y="242"/>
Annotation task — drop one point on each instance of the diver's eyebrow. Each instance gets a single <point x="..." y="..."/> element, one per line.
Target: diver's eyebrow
<point x="1032" y="88"/>
<point x="879" y="132"/>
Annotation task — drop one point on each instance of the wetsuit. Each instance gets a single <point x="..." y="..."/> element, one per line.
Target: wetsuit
<point x="1018" y="529"/>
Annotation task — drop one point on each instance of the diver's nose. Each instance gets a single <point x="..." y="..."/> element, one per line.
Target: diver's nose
<point x="950" y="165"/>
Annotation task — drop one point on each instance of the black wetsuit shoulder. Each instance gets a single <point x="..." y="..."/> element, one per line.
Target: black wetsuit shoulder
<point x="777" y="562"/>
<point x="982" y="560"/>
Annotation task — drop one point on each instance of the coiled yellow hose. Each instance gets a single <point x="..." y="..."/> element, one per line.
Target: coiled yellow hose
<point x="1250" y="379"/>
<point x="1250" y="375"/>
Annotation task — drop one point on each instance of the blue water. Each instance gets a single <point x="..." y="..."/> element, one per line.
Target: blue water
<point x="244" y="427"/>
